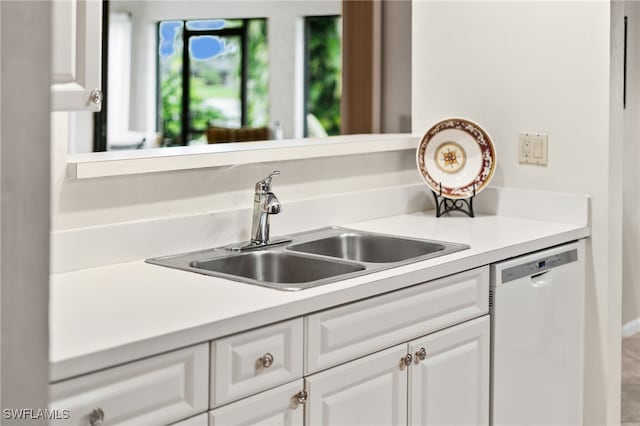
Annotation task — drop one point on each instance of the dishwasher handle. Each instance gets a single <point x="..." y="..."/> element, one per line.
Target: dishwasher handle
<point x="543" y="279"/>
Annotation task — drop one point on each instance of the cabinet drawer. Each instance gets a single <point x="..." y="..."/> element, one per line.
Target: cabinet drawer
<point x="154" y="391"/>
<point x="275" y="407"/>
<point x="342" y="334"/>
<point x="260" y="359"/>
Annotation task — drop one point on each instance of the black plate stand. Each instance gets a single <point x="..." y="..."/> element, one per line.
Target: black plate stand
<point x="446" y="205"/>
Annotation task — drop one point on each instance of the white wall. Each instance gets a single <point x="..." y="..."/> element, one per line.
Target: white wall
<point x="631" y="211"/>
<point x="539" y="67"/>
<point x="102" y="201"/>
<point x="25" y="76"/>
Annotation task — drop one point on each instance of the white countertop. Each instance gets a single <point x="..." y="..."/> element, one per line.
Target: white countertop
<point x="109" y="315"/>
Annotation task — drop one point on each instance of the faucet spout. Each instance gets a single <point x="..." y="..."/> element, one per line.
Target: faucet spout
<point x="272" y="204"/>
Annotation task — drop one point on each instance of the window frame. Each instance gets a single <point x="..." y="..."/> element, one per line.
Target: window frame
<point x="186" y="128"/>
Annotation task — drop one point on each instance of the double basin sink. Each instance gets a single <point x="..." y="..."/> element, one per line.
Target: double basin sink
<point x="311" y="258"/>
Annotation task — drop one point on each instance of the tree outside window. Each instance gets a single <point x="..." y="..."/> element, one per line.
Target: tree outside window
<point x="323" y="77"/>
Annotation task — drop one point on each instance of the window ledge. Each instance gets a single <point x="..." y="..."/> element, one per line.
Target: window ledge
<point x="119" y="163"/>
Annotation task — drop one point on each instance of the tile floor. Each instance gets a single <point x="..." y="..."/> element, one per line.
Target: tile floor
<point x="631" y="380"/>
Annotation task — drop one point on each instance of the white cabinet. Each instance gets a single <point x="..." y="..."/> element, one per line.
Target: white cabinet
<point x="362" y="366"/>
<point x="450" y="386"/>
<point x="154" y="391"/>
<point x="341" y="334"/>
<point x="76" y="55"/>
<point x="370" y="362"/>
<point x="446" y="384"/>
<point x="275" y="407"/>
<point x="250" y="362"/>
<point x="368" y="391"/>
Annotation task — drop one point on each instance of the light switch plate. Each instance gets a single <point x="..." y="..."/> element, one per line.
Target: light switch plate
<point x="533" y="148"/>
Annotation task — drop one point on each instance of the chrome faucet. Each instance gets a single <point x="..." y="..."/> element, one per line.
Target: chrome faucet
<point x="265" y="203"/>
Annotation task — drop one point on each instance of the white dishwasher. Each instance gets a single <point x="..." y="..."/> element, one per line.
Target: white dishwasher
<point x="537" y="332"/>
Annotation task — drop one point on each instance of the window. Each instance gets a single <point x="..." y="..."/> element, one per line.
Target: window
<point x="222" y="65"/>
<point x="323" y="75"/>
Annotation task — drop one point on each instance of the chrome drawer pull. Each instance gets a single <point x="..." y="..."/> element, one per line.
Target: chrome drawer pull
<point x="96" y="417"/>
<point x="96" y="96"/>
<point x="267" y="360"/>
<point x="406" y="360"/>
<point x="421" y="354"/>
<point x="301" y="397"/>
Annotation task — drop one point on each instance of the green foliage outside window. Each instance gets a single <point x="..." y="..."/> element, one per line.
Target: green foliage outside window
<point x="171" y="100"/>
<point x="170" y="93"/>
<point x="324" y="72"/>
<point x="258" y="74"/>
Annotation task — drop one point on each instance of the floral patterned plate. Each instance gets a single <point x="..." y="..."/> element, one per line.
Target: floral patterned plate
<point x="454" y="155"/>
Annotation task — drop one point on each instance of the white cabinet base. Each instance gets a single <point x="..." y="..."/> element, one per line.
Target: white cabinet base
<point x="451" y="385"/>
<point x="368" y="391"/>
<point x="153" y="391"/>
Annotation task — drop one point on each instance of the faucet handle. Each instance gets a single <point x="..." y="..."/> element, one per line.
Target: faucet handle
<point x="265" y="184"/>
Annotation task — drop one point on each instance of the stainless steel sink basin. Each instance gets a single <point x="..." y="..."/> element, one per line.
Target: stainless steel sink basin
<point x="277" y="268"/>
<point x="371" y="248"/>
<point x="311" y="258"/>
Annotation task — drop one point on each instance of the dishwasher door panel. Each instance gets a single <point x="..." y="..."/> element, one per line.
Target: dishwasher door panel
<point x="537" y="344"/>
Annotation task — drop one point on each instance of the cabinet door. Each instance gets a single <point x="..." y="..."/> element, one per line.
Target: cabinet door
<point x="368" y="391"/>
<point x="450" y="386"/>
<point x="275" y="407"/>
<point x="76" y="55"/>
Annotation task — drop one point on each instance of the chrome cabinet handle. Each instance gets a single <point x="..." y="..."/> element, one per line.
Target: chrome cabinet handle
<point x="301" y="397"/>
<point x="96" y="417"/>
<point x="267" y="360"/>
<point x="421" y="354"/>
<point x="406" y="360"/>
<point x="96" y="96"/>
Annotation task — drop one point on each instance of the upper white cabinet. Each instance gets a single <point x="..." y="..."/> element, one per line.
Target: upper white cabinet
<point x="76" y="55"/>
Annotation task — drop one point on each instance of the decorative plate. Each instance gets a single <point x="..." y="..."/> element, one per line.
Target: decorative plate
<point x="454" y="155"/>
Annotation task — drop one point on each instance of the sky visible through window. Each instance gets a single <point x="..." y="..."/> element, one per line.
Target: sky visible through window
<point x="200" y="47"/>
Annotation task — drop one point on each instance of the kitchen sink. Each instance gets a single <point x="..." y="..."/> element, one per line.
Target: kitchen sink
<point x="310" y="259"/>
<point x="371" y="248"/>
<point x="277" y="268"/>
